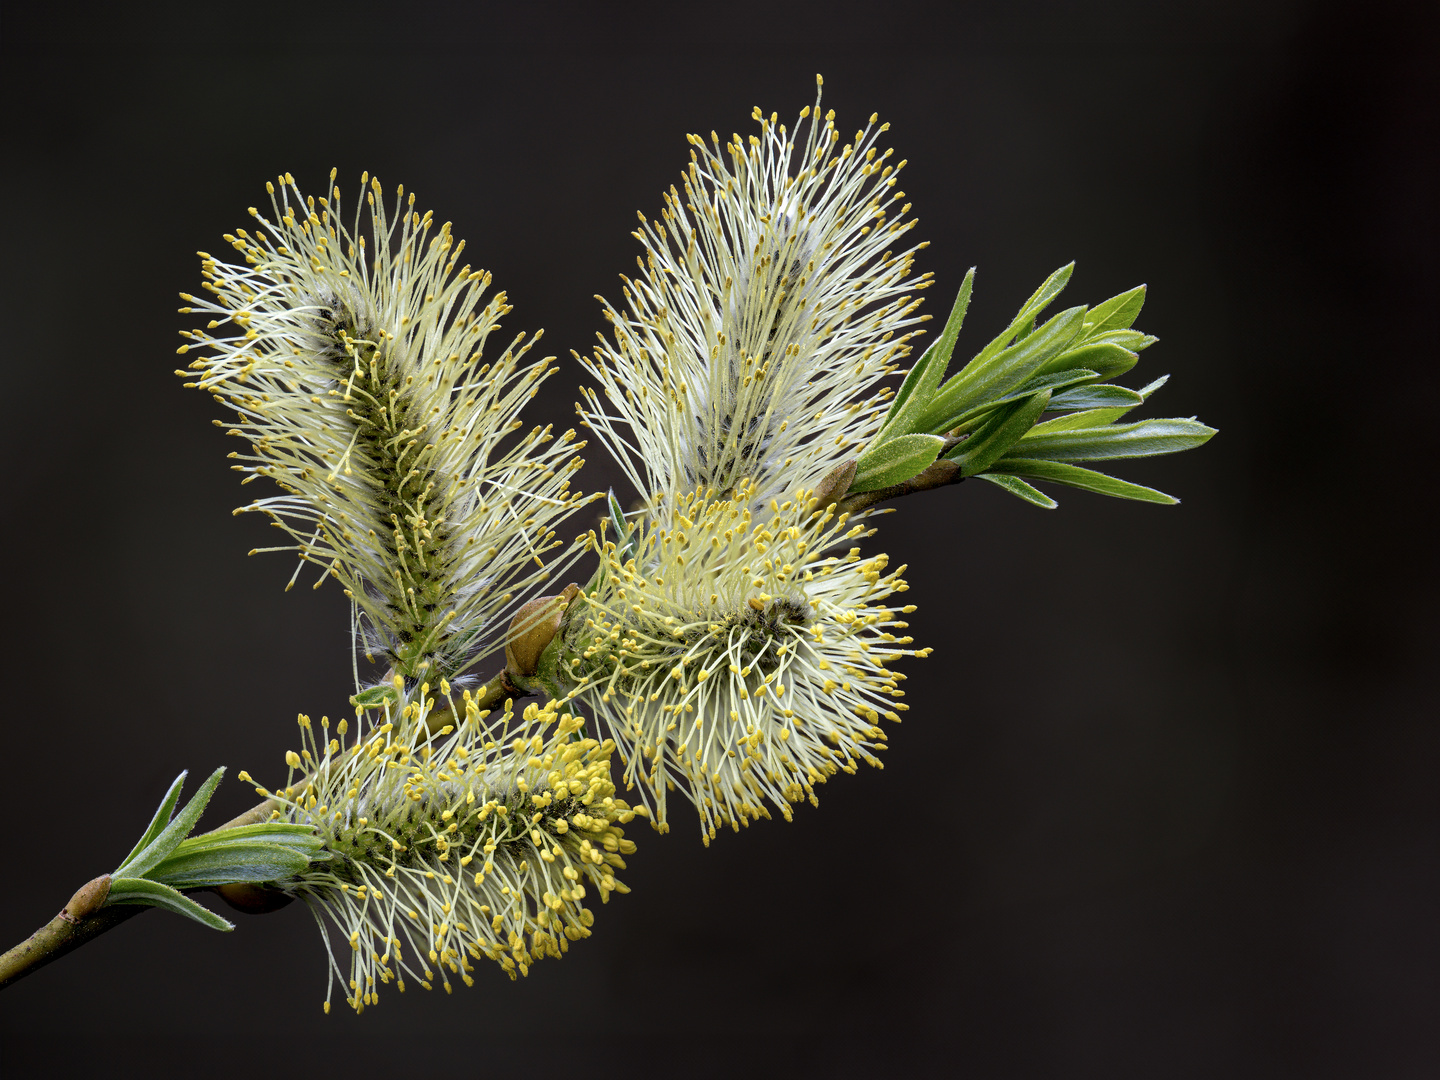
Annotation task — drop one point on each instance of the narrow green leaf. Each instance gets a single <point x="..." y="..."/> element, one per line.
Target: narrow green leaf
<point x="1023" y="323"/>
<point x="624" y="534"/>
<point x="981" y="450"/>
<point x="1148" y="438"/>
<point x="1054" y="382"/>
<point x="1015" y="486"/>
<point x="1040" y="299"/>
<point x="1133" y="340"/>
<point x="918" y="388"/>
<point x="896" y="461"/>
<point x="1150" y="387"/>
<point x="254" y="860"/>
<point x="617" y="516"/>
<point x="169" y="838"/>
<point x="925" y="376"/>
<point x="981" y="381"/>
<point x="1081" y="421"/>
<point x="1108" y="360"/>
<point x="160" y="820"/>
<point x="154" y="894"/>
<point x="299" y="838"/>
<point x="1084" y="479"/>
<point x="372" y="696"/>
<point x="1094" y="418"/>
<point x="1096" y="397"/>
<point x="1117" y="313"/>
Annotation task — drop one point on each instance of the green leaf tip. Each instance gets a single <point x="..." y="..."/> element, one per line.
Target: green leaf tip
<point x="624" y="534"/>
<point x="1085" y="479"/>
<point x="1019" y="488"/>
<point x="1117" y="313"/>
<point x="154" y="894"/>
<point x="161" y="818"/>
<point x="1146" y="438"/>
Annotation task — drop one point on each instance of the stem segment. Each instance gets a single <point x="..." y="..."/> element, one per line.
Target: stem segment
<point x="80" y="920"/>
<point x="940" y="474"/>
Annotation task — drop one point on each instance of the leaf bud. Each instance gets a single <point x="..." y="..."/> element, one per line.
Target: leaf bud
<point x="532" y="629"/>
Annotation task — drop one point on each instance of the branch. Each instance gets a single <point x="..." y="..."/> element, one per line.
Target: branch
<point x="79" y="920"/>
<point x="941" y="474"/>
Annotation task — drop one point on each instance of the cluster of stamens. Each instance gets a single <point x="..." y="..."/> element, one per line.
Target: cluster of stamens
<point x="736" y="658"/>
<point x="769" y="305"/>
<point x="357" y="377"/>
<point x="453" y="835"/>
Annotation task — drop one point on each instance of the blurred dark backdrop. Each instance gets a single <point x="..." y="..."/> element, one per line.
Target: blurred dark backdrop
<point x="1166" y="801"/>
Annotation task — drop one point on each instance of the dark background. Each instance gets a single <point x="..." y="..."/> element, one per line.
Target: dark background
<point x="1165" y="804"/>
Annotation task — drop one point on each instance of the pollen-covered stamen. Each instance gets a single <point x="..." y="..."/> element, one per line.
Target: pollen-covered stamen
<point x="358" y="379"/>
<point x="736" y="658"/>
<point x="769" y="304"/>
<point x="474" y="842"/>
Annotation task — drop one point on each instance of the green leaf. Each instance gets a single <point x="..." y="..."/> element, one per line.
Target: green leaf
<point x="915" y="392"/>
<point x="300" y="837"/>
<point x="169" y="838"/>
<point x="219" y="864"/>
<point x="1018" y="487"/>
<point x="896" y="461"/>
<point x="161" y="818"/>
<point x="981" y="450"/>
<point x="924" y="377"/>
<point x="1085" y="479"/>
<point x="1117" y="313"/>
<point x="296" y="837"/>
<point x="983" y="380"/>
<point x="624" y="535"/>
<point x="1150" y="387"/>
<point x="617" y="514"/>
<point x="1040" y="299"/>
<point x="1108" y="360"/>
<point x="1148" y="438"/>
<point x="1096" y="397"/>
<point x="1099" y="417"/>
<point x="1023" y="323"/>
<point x="1054" y="382"/>
<point x="1081" y="421"/>
<point x="372" y="696"/>
<point x="1133" y="340"/>
<point x="153" y="894"/>
<point x="1094" y="418"/>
